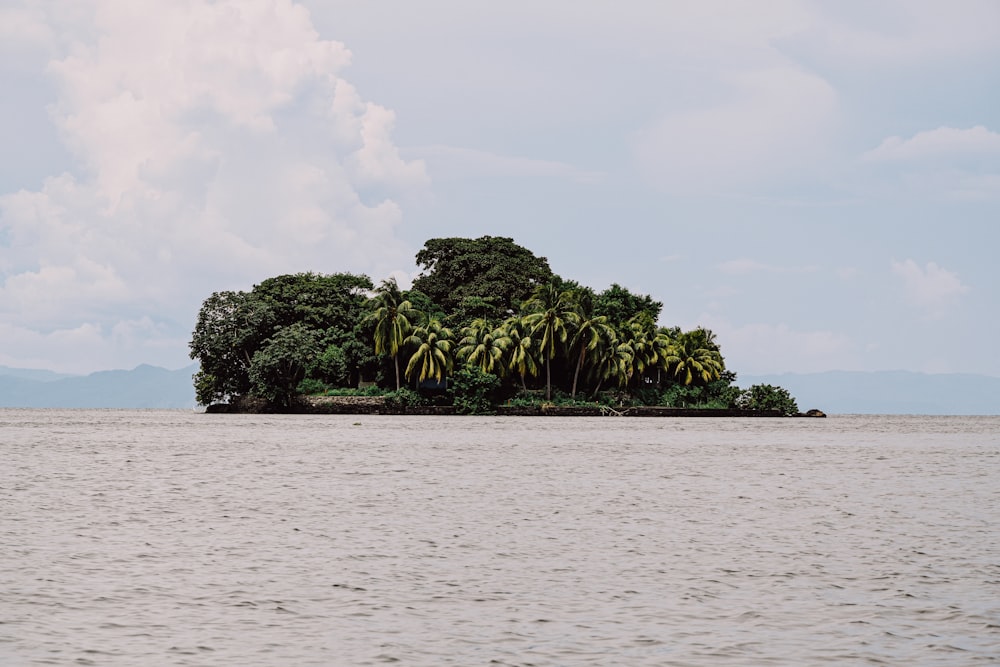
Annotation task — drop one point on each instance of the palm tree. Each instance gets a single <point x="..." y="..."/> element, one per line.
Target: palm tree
<point x="484" y="346"/>
<point x="639" y="334"/>
<point x="592" y="332"/>
<point x="432" y="356"/>
<point x="613" y="363"/>
<point x="661" y="345"/>
<point x="522" y="352"/>
<point x="392" y="317"/>
<point x="552" y="313"/>
<point x="692" y="360"/>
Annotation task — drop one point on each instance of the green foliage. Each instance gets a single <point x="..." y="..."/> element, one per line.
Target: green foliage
<point x="521" y="358"/>
<point x="431" y="358"/>
<point x="423" y="305"/>
<point x="682" y="396"/>
<point x="722" y="393"/>
<point x="393" y="318"/>
<point x="493" y="269"/>
<point x="526" y="399"/>
<point x="280" y="364"/>
<point x="314" y="333"/>
<point x="327" y="303"/>
<point x="483" y="345"/>
<point x="551" y="314"/>
<point x="694" y="358"/>
<point x="648" y="395"/>
<point x="371" y="390"/>
<point x="592" y="335"/>
<point x="475" y="391"/>
<point x="362" y="363"/>
<point x="620" y="305"/>
<point x="231" y="327"/>
<point x="562" y="399"/>
<point x="330" y="367"/>
<point x="768" y="397"/>
<point x="311" y="387"/>
<point x="473" y="308"/>
<point x="400" y="398"/>
<point x="205" y="388"/>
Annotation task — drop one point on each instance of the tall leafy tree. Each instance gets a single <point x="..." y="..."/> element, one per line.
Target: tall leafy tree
<point x="486" y="277"/>
<point x="522" y="353"/>
<point x="280" y="364"/>
<point x="231" y="327"/>
<point x="432" y="352"/>
<point x="639" y="333"/>
<point x="327" y="304"/>
<point x="483" y="346"/>
<point x="551" y="316"/>
<point x="620" y="305"/>
<point x="613" y="362"/>
<point x="392" y="317"/>
<point x="591" y="334"/>
<point x="692" y="360"/>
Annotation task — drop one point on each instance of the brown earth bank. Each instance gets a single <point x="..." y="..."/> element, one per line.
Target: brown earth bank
<point x="376" y="405"/>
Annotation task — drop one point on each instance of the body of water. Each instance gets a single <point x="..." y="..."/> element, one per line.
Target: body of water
<point x="174" y="538"/>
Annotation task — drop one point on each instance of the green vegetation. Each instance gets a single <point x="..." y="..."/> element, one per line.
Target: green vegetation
<point x="768" y="397"/>
<point x="486" y="323"/>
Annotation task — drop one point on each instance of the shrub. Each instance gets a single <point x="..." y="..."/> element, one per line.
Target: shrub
<point x="330" y="366"/>
<point x="372" y="390"/>
<point x="311" y="387"/>
<point x="400" y="398"/>
<point x="682" y="396"/>
<point x="475" y="391"/>
<point x="768" y="397"/>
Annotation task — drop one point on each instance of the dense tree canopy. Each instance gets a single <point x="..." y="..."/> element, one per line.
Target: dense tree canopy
<point x="234" y="327"/>
<point x="620" y="305"/>
<point x="487" y="277"/>
<point x="487" y="321"/>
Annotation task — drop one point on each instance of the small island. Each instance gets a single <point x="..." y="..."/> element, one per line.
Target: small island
<point x="487" y="328"/>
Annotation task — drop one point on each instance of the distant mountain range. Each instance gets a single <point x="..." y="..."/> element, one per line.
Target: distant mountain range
<point x="834" y="392"/>
<point x="888" y="392"/>
<point x="142" y="387"/>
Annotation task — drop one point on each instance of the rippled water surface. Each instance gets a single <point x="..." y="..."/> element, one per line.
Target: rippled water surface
<point x="174" y="538"/>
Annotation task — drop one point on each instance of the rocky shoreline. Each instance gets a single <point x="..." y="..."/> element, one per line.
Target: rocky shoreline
<point x="377" y="405"/>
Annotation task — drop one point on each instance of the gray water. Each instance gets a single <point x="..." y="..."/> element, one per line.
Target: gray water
<point x="174" y="538"/>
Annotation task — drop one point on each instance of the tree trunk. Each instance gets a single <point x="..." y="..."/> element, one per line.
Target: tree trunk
<point x="579" y="365"/>
<point x="548" y="379"/>
<point x="395" y="359"/>
<point x="597" y="389"/>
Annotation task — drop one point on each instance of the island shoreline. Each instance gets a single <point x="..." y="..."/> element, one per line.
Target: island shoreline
<point x="376" y="405"/>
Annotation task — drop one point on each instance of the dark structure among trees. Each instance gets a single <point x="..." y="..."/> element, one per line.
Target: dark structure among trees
<point x="486" y="322"/>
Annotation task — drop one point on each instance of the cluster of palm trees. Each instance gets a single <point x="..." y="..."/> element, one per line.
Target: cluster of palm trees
<point x="555" y="324"/>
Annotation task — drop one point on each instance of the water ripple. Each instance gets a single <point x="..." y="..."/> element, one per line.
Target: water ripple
<point x="169" y="538"/>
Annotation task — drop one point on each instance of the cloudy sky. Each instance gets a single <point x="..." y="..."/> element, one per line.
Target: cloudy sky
<point x="818" y="182"/>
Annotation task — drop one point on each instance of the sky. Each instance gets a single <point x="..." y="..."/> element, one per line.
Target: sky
<point x="817" y="182"/>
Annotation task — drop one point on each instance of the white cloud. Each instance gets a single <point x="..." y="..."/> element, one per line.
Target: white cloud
<point x="934" y="144"/>
<point x="932" y="288"/>
<point x="217" y="145"/>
